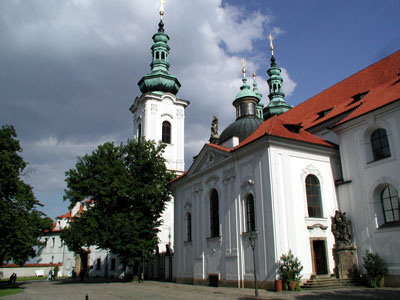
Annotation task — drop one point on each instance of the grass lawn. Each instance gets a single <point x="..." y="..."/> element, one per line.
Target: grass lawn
<point x="26" y="278"/>
<point x="6" y="291"/>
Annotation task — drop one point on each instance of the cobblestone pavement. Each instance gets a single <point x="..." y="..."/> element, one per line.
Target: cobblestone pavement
<point x="149" y="290"/>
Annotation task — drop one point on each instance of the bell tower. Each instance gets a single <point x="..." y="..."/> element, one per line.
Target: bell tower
<point x="158" y="114"/>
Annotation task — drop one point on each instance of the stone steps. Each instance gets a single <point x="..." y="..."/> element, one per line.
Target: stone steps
<point x="331" y="283"/>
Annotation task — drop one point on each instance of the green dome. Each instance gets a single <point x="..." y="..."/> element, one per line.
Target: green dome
<point x="245" y="91"/>
<point x="241" y="128"/>
<point x="159" y="79"/>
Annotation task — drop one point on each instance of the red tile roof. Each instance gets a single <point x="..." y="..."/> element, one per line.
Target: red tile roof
<point x="276" y="127"/>
<point x="381" y="80"/>
<point x="377" y="79"/>
<point x="30" y="265"/>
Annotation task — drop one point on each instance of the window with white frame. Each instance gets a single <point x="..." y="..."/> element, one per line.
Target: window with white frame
<point x="390" y="205"/>
<point x="380" y="144"/>
<point x="314" y="203"/>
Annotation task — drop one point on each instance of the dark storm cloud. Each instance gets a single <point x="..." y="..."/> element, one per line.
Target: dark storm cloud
<point x="69" y="71"/>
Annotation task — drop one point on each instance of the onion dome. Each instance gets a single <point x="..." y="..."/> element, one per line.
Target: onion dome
<point x="247" y="121"/>
<point x="159" y="79"/>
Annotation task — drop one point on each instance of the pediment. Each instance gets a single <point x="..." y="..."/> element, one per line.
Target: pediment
<point x="207" y="158"/>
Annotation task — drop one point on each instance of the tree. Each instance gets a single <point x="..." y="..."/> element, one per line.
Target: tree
<point x="21" y="224"/>
<point x="127" y="185"/>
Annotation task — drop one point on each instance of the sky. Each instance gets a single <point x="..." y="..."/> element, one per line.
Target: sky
<point x="69" y="68"/>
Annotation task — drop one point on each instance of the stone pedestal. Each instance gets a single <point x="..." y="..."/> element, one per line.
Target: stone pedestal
<point x="345" y="262"/>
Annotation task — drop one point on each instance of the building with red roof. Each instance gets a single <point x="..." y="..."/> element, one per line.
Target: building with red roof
<point x="99" y="263"/>
<point x="279" y="174"/>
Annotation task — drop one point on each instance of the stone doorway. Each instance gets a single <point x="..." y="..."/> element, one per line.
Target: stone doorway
<point x="319" y="257"/>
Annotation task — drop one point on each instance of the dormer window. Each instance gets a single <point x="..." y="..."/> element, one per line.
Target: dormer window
<point x="358" y="97"/>
<point x="323" y="113"/>
<point x="295" y="128"/>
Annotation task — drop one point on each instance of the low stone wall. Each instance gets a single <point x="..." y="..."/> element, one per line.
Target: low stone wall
<point x="27" y="270"/>
<point x="261" y="284"/>
<point x="392" y="281"/>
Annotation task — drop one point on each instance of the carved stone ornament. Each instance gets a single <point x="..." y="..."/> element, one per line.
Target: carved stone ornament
<point x="197" y="189"/>
<point x="229" y="176"/>
<point x="318" y="225"/>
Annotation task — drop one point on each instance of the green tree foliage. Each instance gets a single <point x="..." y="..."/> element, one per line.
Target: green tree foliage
<point x="21" y="223"/>
<point x="127" y="185"/>
<point x="376" y="268"/>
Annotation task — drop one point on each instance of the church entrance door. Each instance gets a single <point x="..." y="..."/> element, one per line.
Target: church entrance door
<point x="319" y="257"/>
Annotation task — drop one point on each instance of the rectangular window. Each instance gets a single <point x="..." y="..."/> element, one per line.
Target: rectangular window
<point x="98" y="265"/>
<point x="53" y="242"/>
<point x="113" y="264"/>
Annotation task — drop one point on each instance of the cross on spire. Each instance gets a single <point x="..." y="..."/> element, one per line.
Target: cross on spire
<point x="271" y="45"/>
<point x="162" y="8"/>
<point x="244" y="68"/>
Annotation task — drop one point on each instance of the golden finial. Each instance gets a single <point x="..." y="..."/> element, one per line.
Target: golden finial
<point x="162" y="8"/>
<point x="271" y="45"/>
<point x="254" y="76"/>
<point x="244" y="68"/>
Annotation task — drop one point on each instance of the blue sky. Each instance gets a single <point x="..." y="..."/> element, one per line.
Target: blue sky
<point x="324" y="42"/>
<point x="69" y="68"/>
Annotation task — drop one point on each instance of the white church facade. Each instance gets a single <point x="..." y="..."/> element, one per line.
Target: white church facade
<point x="284" y="179"/>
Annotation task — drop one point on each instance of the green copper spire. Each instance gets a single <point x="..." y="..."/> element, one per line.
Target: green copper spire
<point x="277" y="104"/>
<point x="160" y="79"/>
<point x="260" y="106"/>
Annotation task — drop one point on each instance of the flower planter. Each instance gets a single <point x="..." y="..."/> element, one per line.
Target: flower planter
<point x="292" y="285"/>
<point x="278" y="285"/>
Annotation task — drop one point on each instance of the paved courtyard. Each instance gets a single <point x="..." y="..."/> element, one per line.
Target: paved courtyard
<point x="149" y="290"/>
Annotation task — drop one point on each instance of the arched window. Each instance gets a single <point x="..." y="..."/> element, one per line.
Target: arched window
<point x="189" y="226"/>
<point x="166" y="132"/>
<point x="313" y="190"/>
<point x="390" y="204"/>
<point x="380" y="144"/>
<point x="250" y="215"/>
<point x="157" y="55"/>
<point x="162" y="55"/>
<point x="214" y="214"/>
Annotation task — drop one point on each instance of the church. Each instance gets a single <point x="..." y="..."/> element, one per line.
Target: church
<point x="279" y="174"/>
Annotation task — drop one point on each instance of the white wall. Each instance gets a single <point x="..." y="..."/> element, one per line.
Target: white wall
<point x="275" y="176"/>
<point x="361" y="197"/>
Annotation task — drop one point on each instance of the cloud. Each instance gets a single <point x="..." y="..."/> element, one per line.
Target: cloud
<point x="69" y="71"/>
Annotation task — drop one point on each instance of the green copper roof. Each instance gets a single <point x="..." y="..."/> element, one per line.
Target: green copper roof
<point x="277" y="104"/>
<point x="245" y="91"/>
<point x="242" y="128"/>
<point x="159" y="79"/>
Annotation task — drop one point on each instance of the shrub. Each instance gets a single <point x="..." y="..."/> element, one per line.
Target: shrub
<point x="376" y="269"/>
<point x="289" y="269"/>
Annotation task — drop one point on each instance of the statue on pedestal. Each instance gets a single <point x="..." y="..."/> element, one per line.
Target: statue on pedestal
<point x="341" y="229"/>
<point x="344" y="252"/>
<point x="214" y="137"/>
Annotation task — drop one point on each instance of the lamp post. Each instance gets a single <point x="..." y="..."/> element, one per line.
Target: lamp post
<point x="252" y="241"/>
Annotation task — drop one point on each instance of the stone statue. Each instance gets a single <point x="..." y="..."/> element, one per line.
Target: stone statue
<point x="341" y="229"/>
<point x="214" y="137"/>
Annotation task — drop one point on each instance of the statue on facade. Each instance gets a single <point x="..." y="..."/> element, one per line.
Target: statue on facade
<point x="341" y="229"/>
<point x="214" y="137"/>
